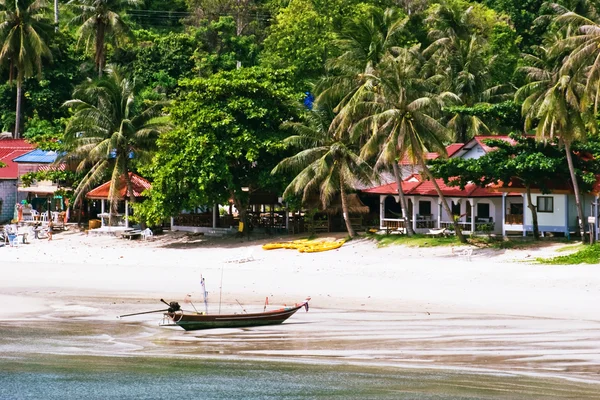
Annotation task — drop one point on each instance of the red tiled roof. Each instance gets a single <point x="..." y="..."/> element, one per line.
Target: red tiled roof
<point x="517" y="186"/>
<point x="453" y="148"/>
<point x="9" y="150"/>
<point x="426" y="188"/>
<point x="138" y="184"/>
<point x="392" y="188"/>
<point x="450" y="150"/>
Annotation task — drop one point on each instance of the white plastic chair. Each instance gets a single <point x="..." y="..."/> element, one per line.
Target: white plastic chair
<point x="147" y="233"/>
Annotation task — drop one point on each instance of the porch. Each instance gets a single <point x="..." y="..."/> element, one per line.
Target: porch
<point x="427" y="213"/>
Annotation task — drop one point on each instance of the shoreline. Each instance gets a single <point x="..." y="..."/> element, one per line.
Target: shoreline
<point x="394" y="303"/>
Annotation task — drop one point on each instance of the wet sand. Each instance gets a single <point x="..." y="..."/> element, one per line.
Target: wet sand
<point x="370" y="307"/>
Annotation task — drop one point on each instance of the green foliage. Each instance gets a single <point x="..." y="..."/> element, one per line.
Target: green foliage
<point x="522" y="14"/>
<point x="220" y="47"/>
<point x="66" y="178"/>
<point x="43" y="133"/>
<point x="505" y="53"/>
<point x="526" y="161"/>
<point x="588" y="255"/>
<point x="227" y="136"/>
<point x="160" y="61"/>
<point x="298" y="39"/>
<point x="501" y="117"/>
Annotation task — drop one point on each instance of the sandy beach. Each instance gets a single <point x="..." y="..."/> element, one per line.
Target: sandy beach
<point x="392" y="306"/>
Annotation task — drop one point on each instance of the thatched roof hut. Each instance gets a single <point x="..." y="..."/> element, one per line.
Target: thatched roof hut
<point x="355" y="205"/>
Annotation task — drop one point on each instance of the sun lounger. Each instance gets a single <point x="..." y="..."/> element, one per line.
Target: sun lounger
<point x="437" y="232"/>
<point x="131" y="234"/>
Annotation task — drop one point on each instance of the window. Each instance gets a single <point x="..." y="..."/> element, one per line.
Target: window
<point x="455" y="208"/>
<point x="545" y="204"/>
<point x="483" y="210"/>
<point x="424" y="208"/>
<point x="516" y="208"/>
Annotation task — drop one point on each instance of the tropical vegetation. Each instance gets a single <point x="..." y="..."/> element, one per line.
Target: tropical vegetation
<point x="205" y="98"/>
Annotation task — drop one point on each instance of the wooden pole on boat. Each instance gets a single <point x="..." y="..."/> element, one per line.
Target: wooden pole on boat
<point x="241" y="306"/>
<point x="221" y="289"/>
<point x="139" y="313"/>
<point x="205" y="293"/>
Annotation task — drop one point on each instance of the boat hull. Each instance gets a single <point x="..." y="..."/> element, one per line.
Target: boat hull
<point x="194" y="322"/>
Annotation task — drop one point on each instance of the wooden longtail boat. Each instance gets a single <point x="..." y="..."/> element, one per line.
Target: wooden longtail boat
<point x="192" y="321"/>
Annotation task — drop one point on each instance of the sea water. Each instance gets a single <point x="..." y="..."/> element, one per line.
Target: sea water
<point x="69" y="377"/>
<point x="400" y="357"/>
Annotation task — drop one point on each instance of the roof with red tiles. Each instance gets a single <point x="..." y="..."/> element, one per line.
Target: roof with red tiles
<point x="392" y="188"/>
<point x="9" y="150"/>
<point x="138" y="184"/>
<point x="517" y="186"/>
<point x="426" y="188"/>
<point x="450" y="150"/>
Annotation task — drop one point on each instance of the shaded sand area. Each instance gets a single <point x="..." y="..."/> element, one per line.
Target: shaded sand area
<point x="396" y="307"/>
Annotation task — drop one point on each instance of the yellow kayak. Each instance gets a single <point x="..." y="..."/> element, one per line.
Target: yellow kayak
<point x="305" y="246"/>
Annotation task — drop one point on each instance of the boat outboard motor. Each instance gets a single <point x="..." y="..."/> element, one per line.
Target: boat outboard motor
<point x="174" y="306"/>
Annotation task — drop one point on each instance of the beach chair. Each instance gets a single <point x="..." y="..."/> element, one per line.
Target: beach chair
<point x="147" y="234"/>
<point x="131" y="234"/>
<point x="437" y="232"/>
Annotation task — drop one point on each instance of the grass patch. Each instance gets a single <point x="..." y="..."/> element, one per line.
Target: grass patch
<point x="587" y="255"/>
<point x="413" y="241"/>
<point x="571" y="247"/>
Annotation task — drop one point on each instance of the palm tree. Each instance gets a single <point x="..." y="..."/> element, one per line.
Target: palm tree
<point x="402" y="115"/>
<point x="465" y="66"/>
<point x="325" y="164"/>
<point x="363" y="45"/>
<point x="99" y="22"/>
<point x="108" y="130"/>
<point x="553" y="102"/>
<point x="24" y="32"/>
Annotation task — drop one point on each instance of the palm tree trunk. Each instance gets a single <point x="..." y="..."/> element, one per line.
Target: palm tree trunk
<point x="345" y="213"/>
<point x="534" y="216"/>
<point x="100" y="48"/>
<point x="403" y="204"/>
<point x="56" y="14"/>
<point x="576" y="190"/>
<point x="18" y="111"/>
<point x="457" y="228"/>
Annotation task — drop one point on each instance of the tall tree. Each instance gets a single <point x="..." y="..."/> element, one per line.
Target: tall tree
<point x="110" y="131"/>
<point x="25" y="32"/>
<point x="226" y="141"/>
<point x="461" y="51"/>
<point x="99" y="23"/>
<point x="363" y="44"/>
<point x="404" y="110"/>
<point x="326" y="164"/>
<point x="553" y="103"/>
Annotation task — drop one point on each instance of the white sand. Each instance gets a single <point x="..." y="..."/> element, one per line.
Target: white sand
<point x="357" y="276"/>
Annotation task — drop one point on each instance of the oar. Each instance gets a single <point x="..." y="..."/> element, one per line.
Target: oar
<point x="139" y="313"/>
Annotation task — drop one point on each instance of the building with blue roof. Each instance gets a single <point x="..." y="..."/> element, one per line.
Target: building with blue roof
<point x="38" y="156"/>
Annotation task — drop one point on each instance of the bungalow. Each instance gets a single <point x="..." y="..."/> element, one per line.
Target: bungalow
<point x="477" y="209"/>
<point x="40" y="194"/>
<point x="495" y="209"/>
<point x="10" y="149"/>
